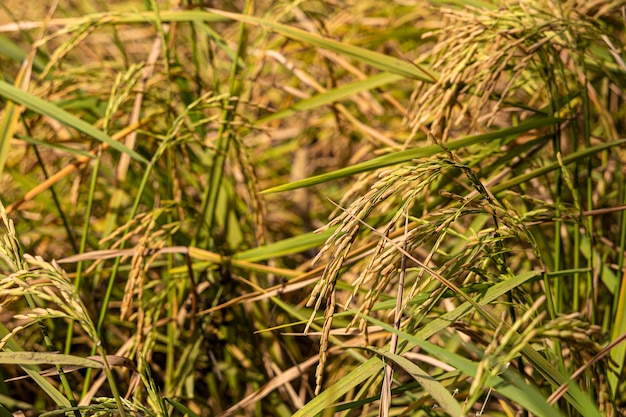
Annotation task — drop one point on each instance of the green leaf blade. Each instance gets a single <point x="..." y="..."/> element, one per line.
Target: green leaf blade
<point x="48" y="109"/>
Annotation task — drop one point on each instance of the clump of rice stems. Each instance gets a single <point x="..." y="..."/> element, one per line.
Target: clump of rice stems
<point x="491" y="68"/>
<point x="157" y="308"/>
<point x="404" y="188"/>
<point x="391" y="182"/>
<point x="524" y="58"/>
<point x="44" y="283"/>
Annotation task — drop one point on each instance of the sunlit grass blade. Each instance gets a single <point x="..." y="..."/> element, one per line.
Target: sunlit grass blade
<point x="444" y="399"/>
<point x="618" y="354"/>
<point x="334" y="393"/>
<point x="375" y="59"/>
<point x="411" y="154"/>
<point x="182" y="409"/>
<point x="290" y="246"/>
<point x="16" y="53"/>
<point x="47" y="358"/>
<point x="33" y="372"/>
<point x="49" y="109"/>
<point x="125" y="18"/>
<point x="332" y="96"/>
<point x="520" y="392"/>
<point x="568" y="159"/>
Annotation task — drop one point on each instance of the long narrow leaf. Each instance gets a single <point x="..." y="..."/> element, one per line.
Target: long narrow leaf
<point x="332" y="96"/>
<point x="48" y="109"/>
<point x="444" y="399"/>
<point x="525" y="395"/>
<point x="573" y="157"/>
<point x="410" y="154"/>
<point x="42" y="382"/>
<point x="49" y="358"/>
<point x="18" y="54"/>
<point x="375" y="59"/>
<point x="286" y="247"/>
<point x="7" y="131"/>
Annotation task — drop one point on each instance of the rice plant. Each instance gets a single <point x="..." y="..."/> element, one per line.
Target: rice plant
<point x="312" y="208"/>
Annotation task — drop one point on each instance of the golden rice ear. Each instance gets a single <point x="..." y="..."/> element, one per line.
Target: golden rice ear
<point x="482" y="61"/>
<point x="9" y="246"/>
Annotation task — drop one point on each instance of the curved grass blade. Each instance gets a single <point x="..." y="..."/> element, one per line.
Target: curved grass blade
<point x="410" y="154"/>
<point x="48" y="109"/>
<point x="519" y="391"/>
<point x="182" y="409"/>
<point x="285" y="247"/>
<point x="573" y="157"/>
<point x="124" y="18"/>
<point x="436" y="390"/>
<point x="17" y="54"/>
<point x="47" y="358"/>
<point x="375" y="59"/>
<point x="332" y="96"/>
